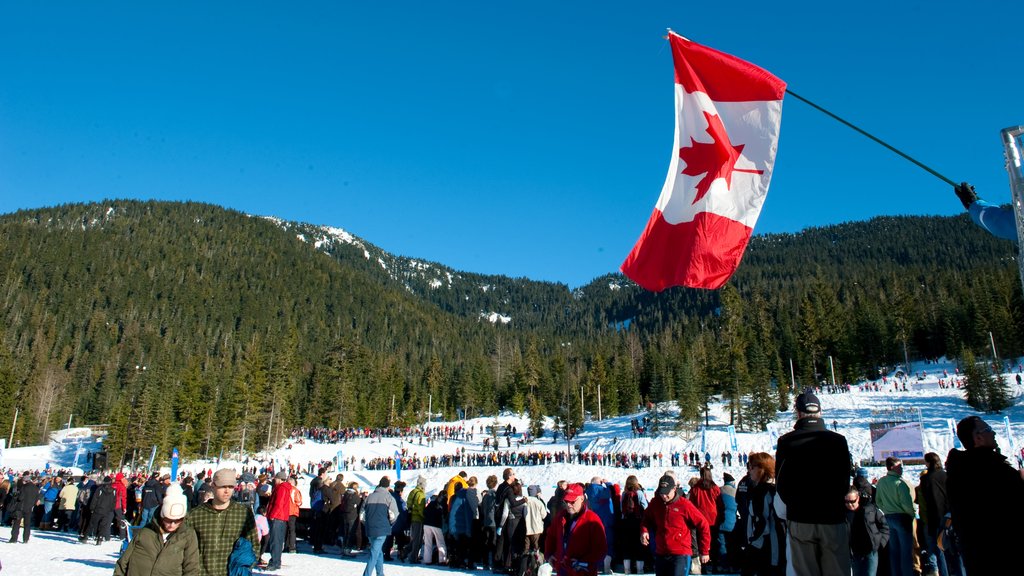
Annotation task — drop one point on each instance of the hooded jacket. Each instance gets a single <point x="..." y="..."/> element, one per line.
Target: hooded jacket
<point x="149" y="555"/>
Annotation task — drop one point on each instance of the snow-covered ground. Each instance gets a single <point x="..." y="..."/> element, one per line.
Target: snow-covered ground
<point x="852" y="412"/>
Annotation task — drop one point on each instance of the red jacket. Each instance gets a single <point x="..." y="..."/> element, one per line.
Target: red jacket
<point x="586" y="543"/>
<point x="280" y="502"/>
<point x="706" y="500"/>
<point x="120" y="494"/>
<point x="671" y="523"/>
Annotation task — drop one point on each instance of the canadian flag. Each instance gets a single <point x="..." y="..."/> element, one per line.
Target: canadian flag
<point x="728" y="114"/>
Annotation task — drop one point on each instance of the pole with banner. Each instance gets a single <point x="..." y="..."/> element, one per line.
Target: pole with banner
<point x="174" y="465"/>
<point x="732" y="438"/>
<point x="398" y="465"/>
<point x="952" y="432"/>
<point x="152" y="457"/>
<point x="703" y="439"/>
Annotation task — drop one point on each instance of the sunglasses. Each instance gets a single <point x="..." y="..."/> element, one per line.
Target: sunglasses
<point x="852" y="501"/>
<point x="173" y="521"/>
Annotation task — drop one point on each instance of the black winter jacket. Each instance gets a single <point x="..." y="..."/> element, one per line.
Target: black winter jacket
<point x="813" y="471"/>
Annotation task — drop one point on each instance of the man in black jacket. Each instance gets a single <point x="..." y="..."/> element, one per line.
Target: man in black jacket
<point x="22" y="506"/>
<point x="813" y="470"/>
<point x="101" y="509"/>
<point x="986" y="501"/>
<point x="152" y="497"/>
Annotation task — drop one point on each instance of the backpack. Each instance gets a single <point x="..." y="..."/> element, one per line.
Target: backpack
<point x="631" y="507"/>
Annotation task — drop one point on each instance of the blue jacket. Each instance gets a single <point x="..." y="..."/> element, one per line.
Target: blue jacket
<point x="242" y="558"/>
<point x="460" y="519"/>
<point x="998" y="221"/>
<point x="727" y="507"/>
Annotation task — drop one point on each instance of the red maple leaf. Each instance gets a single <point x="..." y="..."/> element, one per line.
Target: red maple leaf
<point x="715" y="160"/>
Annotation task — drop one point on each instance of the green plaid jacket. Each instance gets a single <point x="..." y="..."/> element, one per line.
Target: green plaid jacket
<point x="217" y="531"/>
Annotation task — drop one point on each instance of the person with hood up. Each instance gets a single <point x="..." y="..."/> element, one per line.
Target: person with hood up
<point x="120" y="504"/>
<point x="986" y="501"/>
<point x="575" y="543"/>
<point x="165" y="546"/>
<point x="536" y="512"/>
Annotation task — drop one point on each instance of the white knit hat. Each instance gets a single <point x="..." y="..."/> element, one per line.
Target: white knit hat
<point x="175" y="504"/>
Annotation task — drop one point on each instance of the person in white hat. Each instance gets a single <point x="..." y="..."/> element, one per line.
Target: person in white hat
<point x="165" y="545"/>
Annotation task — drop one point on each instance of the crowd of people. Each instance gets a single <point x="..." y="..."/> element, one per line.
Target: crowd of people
<point x="806" y="510"/>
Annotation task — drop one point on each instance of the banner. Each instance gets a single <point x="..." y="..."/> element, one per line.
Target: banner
<point x="174" y="465"/>
<point x="398" y="465"/>
<point x="152" y="456"/>
<point x="78" y="452"/>
<point x="773" y="437"/>
<point x="898" y="433"/>
<point x="703" y="439"/>
<point x="952" y="432"/>
<point x="732" y="438"/>
<point x="1009" y="434"/>
<point x="3" y="447"/>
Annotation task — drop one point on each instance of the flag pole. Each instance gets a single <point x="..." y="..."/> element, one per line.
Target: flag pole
<point x="876" y="139"/>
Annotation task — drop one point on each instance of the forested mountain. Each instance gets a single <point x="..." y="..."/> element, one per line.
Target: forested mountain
<point x="189" y="325"/>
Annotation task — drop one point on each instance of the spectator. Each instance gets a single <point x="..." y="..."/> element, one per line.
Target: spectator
<point x="895" y="499"/>
<point x="869" y="532"/>
<point x="219" y="523"/>
<point x="165" y="545"/>
<point x="633" y="504"/>
<point x="378" y="514"/>
<point x="417" y="503"/>
<point x="766" y="534"/>
<point x="986" y="500"/>
<point x="934" y="508"/>
<point x="814" y="468"/>
<point x="24" y="502"/>
<point x="575" y="544"/>
<point x="277" y="513"/>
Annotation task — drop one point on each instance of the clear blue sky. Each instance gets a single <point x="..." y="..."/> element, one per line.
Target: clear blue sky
<point x="520" y="138"/>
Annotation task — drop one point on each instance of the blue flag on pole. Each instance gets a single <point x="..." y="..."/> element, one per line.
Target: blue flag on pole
<point x="703" y="439"/>
<point x="174" y="465"/>
<point x="732" y="438"/>
<point x="952" y="432"/>
<point x="398" y="465"/>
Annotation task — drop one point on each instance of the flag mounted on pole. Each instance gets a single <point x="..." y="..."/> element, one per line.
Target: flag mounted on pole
<point x="728" y="114"/>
